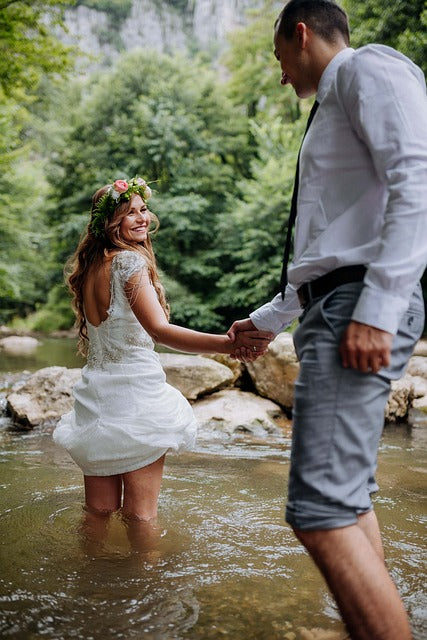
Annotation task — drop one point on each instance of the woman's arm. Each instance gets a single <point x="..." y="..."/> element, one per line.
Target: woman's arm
<point x="146" y="307"/>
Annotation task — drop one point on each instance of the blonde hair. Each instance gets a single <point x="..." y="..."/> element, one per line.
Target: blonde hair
<point x="91" y="251"/>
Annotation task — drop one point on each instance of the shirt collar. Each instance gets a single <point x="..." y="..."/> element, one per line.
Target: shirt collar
<point x="330" y="71"/>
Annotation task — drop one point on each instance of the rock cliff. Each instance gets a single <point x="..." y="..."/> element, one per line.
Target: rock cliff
<point x="163" y="25"/>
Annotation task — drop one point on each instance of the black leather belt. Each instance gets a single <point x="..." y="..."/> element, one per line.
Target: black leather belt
<point x="323" y="285"/>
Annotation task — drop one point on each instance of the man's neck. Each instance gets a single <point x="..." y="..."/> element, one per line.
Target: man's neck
<point x="322" y="53"/>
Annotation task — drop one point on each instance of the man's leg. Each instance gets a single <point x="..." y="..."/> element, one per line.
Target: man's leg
<point x="369" y="524"/>
<point x="358" y="579"/>
<point x="338" y="419"/>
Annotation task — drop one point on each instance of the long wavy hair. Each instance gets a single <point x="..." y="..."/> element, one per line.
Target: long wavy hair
<point x="90" y="253"/>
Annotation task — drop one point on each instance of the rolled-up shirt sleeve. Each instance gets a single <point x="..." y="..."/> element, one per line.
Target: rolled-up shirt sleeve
<point x="278" y="314"/>
<point x="385" y="101"/>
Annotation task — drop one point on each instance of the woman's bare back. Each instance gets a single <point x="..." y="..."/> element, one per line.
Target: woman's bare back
<point x="96" y="291"/>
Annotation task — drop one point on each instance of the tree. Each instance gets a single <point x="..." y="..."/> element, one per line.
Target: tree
<point x="28" y="51"/>
<point x="254" y="229"/>
<point x="28" y="47"/>
<point x="169" y="121"/>
<point x="401" y="24"/>
<point x="255" y="73"/>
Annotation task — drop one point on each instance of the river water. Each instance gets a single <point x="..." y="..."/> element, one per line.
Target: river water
<point x="221" y="562"/>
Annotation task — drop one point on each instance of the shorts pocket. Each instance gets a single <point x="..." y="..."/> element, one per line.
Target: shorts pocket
<point x="337" y="307"/>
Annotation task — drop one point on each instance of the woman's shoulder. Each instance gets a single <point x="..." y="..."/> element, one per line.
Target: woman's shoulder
<point x="127" y="262"/>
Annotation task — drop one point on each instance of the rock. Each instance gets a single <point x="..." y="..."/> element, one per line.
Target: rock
<point x="274" y="374"/>
<point x="233" y="411"/>
<point x="18" y="345"/>
<point x="420" y="386"/>
<point x="400" y="399"/>
<point x="46" y="395"/>
<point x="417" y="366"/>
<point x="236" y="367"/>
<point x="420" y="404"/>
<point x="421" y="348"/>
<point x="194" y="375"/>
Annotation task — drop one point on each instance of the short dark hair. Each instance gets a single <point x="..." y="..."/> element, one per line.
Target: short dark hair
<point x="324" y="17"/>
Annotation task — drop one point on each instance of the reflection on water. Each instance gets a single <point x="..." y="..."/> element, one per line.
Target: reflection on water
<point x="51" y="351"/>
<point x="221" y="562"/>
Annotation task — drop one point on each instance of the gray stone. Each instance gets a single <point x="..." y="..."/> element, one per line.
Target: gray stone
<point x="420" y="404"/>
<point x="418" y="366"/>
<point x="236" y="367"/>
<point x="274" y="373"/>
<point x="18" y="345"/>
<point x="233" y="411"/>
<point x="400" y="399"/>
<point x="155" y="26"/>
<point x="46" y="395"/>
<point x="195" y="376"/>
<point x="421" y="348"/>
<point x="420" y="386"/>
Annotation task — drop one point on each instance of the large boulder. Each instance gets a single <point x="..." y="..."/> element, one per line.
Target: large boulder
<point x="400" y="399"/>
<point x="46" y="395"/>
<point x="236" y="367"/>
<point x="421" y="348"/>
<point x="232" y="411"/>
<point x="417" y="366"/>
<point x="18" y="345"/>
<point x="274" y="373"/>
<point x="195" y="376"/>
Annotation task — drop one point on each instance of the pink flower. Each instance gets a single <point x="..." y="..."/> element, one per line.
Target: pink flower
<point x="121" y="186"/>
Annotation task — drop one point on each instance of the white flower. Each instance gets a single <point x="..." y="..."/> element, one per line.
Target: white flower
<point x="147" y="192"/>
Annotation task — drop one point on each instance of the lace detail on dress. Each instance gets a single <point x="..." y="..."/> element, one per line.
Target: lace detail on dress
<point x="120" y="334"/>
<point x="127" y="263"/>
<point x="137" y="338"/>
<point x="97" y="359"/>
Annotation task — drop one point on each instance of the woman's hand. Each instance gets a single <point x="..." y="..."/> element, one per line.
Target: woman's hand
<point x="249" y="343"/>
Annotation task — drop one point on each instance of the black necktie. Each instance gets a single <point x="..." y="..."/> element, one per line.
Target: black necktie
<point x="293" y="211"/>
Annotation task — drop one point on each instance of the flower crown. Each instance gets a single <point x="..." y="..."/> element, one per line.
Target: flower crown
<point x="119" y="192"/>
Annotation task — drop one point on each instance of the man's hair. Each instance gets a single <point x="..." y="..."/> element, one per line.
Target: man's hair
<point x="324" y="17"/>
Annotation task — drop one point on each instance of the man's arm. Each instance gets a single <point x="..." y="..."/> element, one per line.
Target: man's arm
<point x="273" y="316"/>
<point x="386" y="104"/>
<point x="384" y="98"/>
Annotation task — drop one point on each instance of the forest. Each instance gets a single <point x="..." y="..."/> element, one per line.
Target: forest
<point x="216" y="139"/>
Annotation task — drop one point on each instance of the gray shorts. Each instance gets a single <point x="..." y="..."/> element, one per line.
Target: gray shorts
<point x="339" y="414"/>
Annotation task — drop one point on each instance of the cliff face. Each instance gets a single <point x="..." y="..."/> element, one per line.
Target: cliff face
<point x="162" y="25"/>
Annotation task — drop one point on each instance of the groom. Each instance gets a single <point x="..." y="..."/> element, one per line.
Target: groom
<point x="360" y="203"/>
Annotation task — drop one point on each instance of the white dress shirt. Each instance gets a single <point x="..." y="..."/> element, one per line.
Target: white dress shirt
<point x="363" y="187"/>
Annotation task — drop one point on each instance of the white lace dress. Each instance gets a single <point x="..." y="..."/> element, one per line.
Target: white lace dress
<point x="125" y="414"/>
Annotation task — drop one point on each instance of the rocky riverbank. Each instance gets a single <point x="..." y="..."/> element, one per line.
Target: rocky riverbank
<point x="227" y="395"/>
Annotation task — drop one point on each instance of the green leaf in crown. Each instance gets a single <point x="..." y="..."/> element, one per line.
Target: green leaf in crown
<point x="119" y="192"/>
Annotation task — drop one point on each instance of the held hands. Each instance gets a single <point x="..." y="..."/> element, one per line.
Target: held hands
<point x="365" y="348"/>
<point x="248" y="342"/>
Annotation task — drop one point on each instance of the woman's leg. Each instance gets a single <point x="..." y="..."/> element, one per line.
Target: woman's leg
<point x="141" y="491"/>
<point x="103" y="494"/>
<point x="102" y="498"/>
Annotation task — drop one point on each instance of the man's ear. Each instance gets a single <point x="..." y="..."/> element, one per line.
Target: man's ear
<point x="301" y="31"/>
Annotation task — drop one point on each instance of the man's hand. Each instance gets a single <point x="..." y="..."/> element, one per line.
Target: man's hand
<point x="365" y="348"/>
<point x="250" y="343"/>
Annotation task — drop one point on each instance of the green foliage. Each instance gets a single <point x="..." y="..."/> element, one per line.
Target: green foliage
<point x="253" y="232"/>
<point x="56" y="314"/>
<point x="23" y="240"/>
<point x="222" y="156"/>
<point x="401" y="24"/>
<point x="28" y="48"/>
<point x="255" y="72"/>
<point x="168" y="121"/>
<point x="117" y="9"/>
